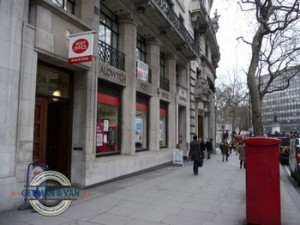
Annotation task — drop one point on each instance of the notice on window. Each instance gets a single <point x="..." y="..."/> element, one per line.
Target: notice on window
<point x="105" y="125"/>
<point x="105" y="138"/>
<point x="161" y="127"/>
<point x="142" y="70"/>
<point x="138" y="130"/>
<point x="99" y="140"/>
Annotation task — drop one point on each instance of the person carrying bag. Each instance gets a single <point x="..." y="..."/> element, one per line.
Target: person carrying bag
<point x="196" y="154"/>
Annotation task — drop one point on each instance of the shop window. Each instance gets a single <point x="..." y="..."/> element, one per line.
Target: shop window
<point x="141" y="123"/>
<point x="108" y="127"/>
<point x="163" y="125"/>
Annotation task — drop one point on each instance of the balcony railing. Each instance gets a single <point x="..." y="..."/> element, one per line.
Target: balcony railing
<point x="168" y="11"/>
<point x="111" y="55"/>
<point x="149" y="76"/>
<point x="164" y="83"/>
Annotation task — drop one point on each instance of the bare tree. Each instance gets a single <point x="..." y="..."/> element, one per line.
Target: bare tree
<point x="272" y="50"/>
<point x="231" y="97"/>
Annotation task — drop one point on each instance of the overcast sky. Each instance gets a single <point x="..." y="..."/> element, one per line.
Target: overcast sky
<point x="235" y="55"/>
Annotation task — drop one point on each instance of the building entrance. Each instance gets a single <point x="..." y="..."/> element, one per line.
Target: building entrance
<point x="53" y="119"/>
<point x="200" y="127"/>
<point x="182" y="140"/>
<point x="52" y="134"/>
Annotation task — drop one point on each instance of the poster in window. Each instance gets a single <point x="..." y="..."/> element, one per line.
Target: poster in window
<point x="105" y="138"/>
<point x="105" y="125"/>
<point x="99" y="139"/>
<point x="98" y="133"/>
<point x="138" y="130"/>
<point x="161" y="127"/>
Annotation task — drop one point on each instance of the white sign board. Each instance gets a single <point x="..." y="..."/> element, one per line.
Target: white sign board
<point x="142" y="70"/>
<point x="81" y="47"/>
<point x="105" y="125"/>
<point x="178" y="157"/>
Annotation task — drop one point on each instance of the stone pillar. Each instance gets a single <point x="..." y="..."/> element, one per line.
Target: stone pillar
<point x="171" y="72"/>
<point x="192" y="99"/>
<point x="213" y="122"/>
<point x="84" y="105"/>
<point x="128" y="46"/>
<point x="173" y="108"/>
<point x="183" y="110"/>
<point x="22" y="77"/>
<point x="153" y="55"/>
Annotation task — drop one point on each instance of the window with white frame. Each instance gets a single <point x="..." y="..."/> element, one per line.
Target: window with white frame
<point x="67" y="5"/>
<point x="109" y="27"/>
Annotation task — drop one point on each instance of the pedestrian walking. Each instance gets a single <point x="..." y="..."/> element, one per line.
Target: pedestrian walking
<point x="208" y="146"/>
<point x="195" y="154"/>
<point x="202" y="147"/>
<point x="224" y="150"/>
<point x="241" y="151"/>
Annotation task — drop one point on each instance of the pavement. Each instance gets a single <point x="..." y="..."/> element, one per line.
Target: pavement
<point x="171" y="195"/>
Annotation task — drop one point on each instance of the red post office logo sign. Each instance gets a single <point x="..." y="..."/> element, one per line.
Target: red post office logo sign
<point x="81" y="48"/>
<point x="80" y="45"/>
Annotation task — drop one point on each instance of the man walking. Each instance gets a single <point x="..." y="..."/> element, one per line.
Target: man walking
<point x="208" y="146"/>
<point x="195" y="154"/>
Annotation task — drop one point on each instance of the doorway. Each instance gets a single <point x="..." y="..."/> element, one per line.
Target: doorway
<point x="200" y="127"/>
<point x="52" y="134"/>
<point x="182" y="134"/>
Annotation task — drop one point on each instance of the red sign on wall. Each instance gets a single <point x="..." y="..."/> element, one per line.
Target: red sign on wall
<point x="81" y="47"/>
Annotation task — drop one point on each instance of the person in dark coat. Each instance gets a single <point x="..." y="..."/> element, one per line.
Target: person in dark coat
<point x="202" y="146"/>
<point x="195" y="154"/>
<point x="208" y="146"/>
<point x="224" y="150"/>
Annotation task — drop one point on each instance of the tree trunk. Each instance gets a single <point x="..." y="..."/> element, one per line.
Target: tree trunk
<point x="253" y="87"/>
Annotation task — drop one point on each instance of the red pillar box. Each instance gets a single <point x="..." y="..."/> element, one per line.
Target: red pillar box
<point x="262" y="181"/>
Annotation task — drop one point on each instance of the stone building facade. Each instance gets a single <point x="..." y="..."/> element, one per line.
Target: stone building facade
<point x="122" y="113"/>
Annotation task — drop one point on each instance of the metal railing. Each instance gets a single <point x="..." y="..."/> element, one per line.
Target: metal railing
<point x="149" y="76"/>
<point x="168" y="11"/>
<point x="164" y="83"/>
<point x="111" y="55"/>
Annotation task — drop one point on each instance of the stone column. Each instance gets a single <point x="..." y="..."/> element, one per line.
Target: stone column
<point x="173" y="108"/>
<point x="22" y="105"/>
<point x="192" y="99"/>
<point x="153" y="56"/>
<point x="213" y="121"/>
<point x="128" y="34"/>
<point x="183" y="111"/>
<point x="84" y="105"/>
